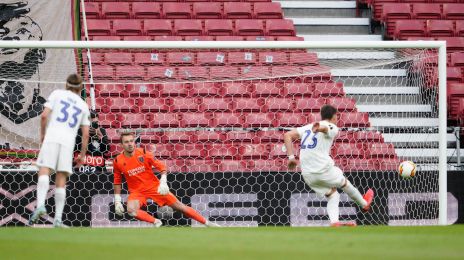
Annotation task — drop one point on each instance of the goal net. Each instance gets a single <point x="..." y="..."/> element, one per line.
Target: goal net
<point x="215" y="113"/>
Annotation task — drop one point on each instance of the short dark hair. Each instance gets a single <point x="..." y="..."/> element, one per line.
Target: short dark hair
<point x="126" y="134"/>
<point x="74" y="81"/>
<point x="327" y="112"/>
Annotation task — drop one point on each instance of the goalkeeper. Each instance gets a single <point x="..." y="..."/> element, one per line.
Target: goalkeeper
<point x="136" y="166"/>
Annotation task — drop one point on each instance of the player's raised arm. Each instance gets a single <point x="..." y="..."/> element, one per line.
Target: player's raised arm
<point x="289" y="137"/>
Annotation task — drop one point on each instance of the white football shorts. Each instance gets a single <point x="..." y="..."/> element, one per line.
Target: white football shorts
<point x="322" y="183"/>
<point x="56" y="157"/>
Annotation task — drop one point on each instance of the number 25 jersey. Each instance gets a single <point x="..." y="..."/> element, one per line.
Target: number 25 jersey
<point x="69" y="112"/>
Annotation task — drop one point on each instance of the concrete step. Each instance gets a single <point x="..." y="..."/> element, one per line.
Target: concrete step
<point x="403" y="122"/>
<point x="362" y="81"/>
<point x="355" y="55"/>
<point x="397" y="108"/>
<point x="381" y="100"/>
<point x="369" y="72"/>
<point x="340" y="37"/>
<point x="382" y="90"/>
<point x="331" y="25"/>
<point x="298" y="4"/>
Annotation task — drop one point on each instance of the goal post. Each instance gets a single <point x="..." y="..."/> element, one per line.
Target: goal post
<point x="410" y="56"/>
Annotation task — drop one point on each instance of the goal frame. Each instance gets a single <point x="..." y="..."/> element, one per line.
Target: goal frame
<point x="438" y="45"/>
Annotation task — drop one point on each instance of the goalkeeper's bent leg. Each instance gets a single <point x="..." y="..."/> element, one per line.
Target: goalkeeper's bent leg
<point x="354" y="193"/>
<point x="142" y="216"/>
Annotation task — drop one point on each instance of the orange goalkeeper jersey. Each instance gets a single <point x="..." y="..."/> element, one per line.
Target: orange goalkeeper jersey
<point x="137" y="170"/>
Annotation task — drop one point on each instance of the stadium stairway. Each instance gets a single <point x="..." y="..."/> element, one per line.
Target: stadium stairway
<point x="381" y="92"/>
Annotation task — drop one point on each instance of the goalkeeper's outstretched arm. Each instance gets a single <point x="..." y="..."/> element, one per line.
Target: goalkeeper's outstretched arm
<point x="289" y="137"/>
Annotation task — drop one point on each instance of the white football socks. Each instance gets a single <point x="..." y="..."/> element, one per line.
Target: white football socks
<point x="60" y="199"/>
<point x="43" y="185"/>
<point x="354" y="194"/>
<point x="332" y="207"/>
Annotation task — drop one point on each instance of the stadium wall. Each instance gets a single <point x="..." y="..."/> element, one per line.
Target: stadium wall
<point x="241" y="199"/>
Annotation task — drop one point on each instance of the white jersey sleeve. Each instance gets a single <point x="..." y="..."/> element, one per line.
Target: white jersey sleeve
<point x="315" y="148"/>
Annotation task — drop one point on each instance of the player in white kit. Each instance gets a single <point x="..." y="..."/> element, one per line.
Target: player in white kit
<point x="317" y="166"/>
<point x="63" y="114"/>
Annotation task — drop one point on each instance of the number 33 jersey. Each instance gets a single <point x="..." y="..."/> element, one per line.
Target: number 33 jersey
<point x="315" y="148"/>
<point x="68" y="113"/>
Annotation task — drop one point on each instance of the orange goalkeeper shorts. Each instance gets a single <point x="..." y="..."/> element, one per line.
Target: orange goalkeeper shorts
<point x="153" y="194"/>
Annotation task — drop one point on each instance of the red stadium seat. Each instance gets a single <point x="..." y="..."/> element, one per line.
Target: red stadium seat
<point x="342" y="103"/>
<point x="193" y="72"/>
<point x="209" y="137"/>
<point x="298" y="89"/>
<point x="280" y="28"/>
<point x="229" y="38"/>
<point x="224" y="72"/>
<point x="254" y="151"/>
<point x="275" y="150"/>
<point x="177" y="10"/>
<point x="96" y="58"/>
<point x="219" y="27"/>
<point x="389" y="164"/>
<point x="204" y="89"/>
<point x="137" y="38"/>
<point x="215" y="104"/>
<point x="233" y="166"/>
<point x="381" y="150"/>
<point x="188" y="27"/>
<point x="184" y="105"/>
<point x="249" y="27"/>
<point x="103" y="72"/>
<point x="455" y="92"/>
<point x="266" y="89"/>
<point x="457" y="59"/>
<point x="105" y="38"/>
<point x="454" y="74"/>
<point x="149" y="58"/>
<point x="355" y="164"/>
<point x="180" y="58"/>
<point x="164" y="120"/>
<point x="232" y="89"/>
<point x="178" y="137"/>
<point x="255" y="72"/>
<point x="318" y="73"/>
<point x="221" y="151"/>
<point x="309" y="104"/>
<point x="173" y="90"/>
<point x="198" y="38"/>
<point x="200" y="165"/>
<point x="368" y="136"/>
<point x="279" y="104"/>
<point x="120" y="104"/>
<point x="237" y="10"/>
<point x="143" y="10"/>
<point x="124" y="27"/>
<point x="285" y="71"/>
<point x="158" y="27"/>
<point x="108" y="120"/>
<point x="289" y="38"/>
<point x="175" y="166"/>
<point x="141" y="90"/>
<point x="242" y="58"/>
<point x="354" y="119"/>
<point x="153" y="105"/>
<point x="348" y="150"/>
<point x="98" y="27"/>
<point x="260" y="38"/>
<point x="271" y="136"/>
<point x="271" y="10"/>
<point x="167" y="38"/>
<point x="110" y="90"/>
<point x="163" y="151"/>
<point x="259" y="120"/>
<point x="459" y="28"/>
<point x="454" y="44"/>
<point x="291" y="120"/>
<point x="134" y="121"/>
<point x="272" y="58"/>
<point x="440" y="28"/>
<point x="240" y="136"/>
<point x="246" y="105"/>
<point x="306" y="58"/>
<point x="189" y="151"/>
<point x="207" y="10"/>
<point x="328" y="89"/>
<point x="453" y="11"/>
<point x="149" y="138"/>
<point x="113" y="10"/>
<point x="275" y="165"/>
<point x="114" y="58"/>
<point x="92" y="10"/>
<point x="426" y="11"/>
<point x="409" y="28"/>
<point x="134" y="72"/>
<point x="396" y="11"/>
<point x="211" y="58"/>
<point x="227" y="119"/>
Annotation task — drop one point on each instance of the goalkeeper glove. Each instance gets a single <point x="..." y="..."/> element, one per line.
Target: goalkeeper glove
<point x="163" y="188"/>
<point x="118" y="207"/>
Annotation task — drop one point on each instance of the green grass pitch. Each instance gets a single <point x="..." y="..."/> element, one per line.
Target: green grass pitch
<point x="365" y="242"/>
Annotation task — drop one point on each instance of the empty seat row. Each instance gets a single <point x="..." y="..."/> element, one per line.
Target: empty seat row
<point x="140" y="73"/>
<point x="179" y="104"/>
<point x="203" y="58"/>
<point x="192" y="38"/>
<point x="226" y="89"/>
<point x="185" y="27"/>
<point x="197" y="10"/>
<point x="403" y="29"/>
<point x="387" y="11"/>
<point x="224" y="119"/>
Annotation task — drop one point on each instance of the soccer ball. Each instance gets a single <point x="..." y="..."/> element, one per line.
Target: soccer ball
<point x="407" y="169"/>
